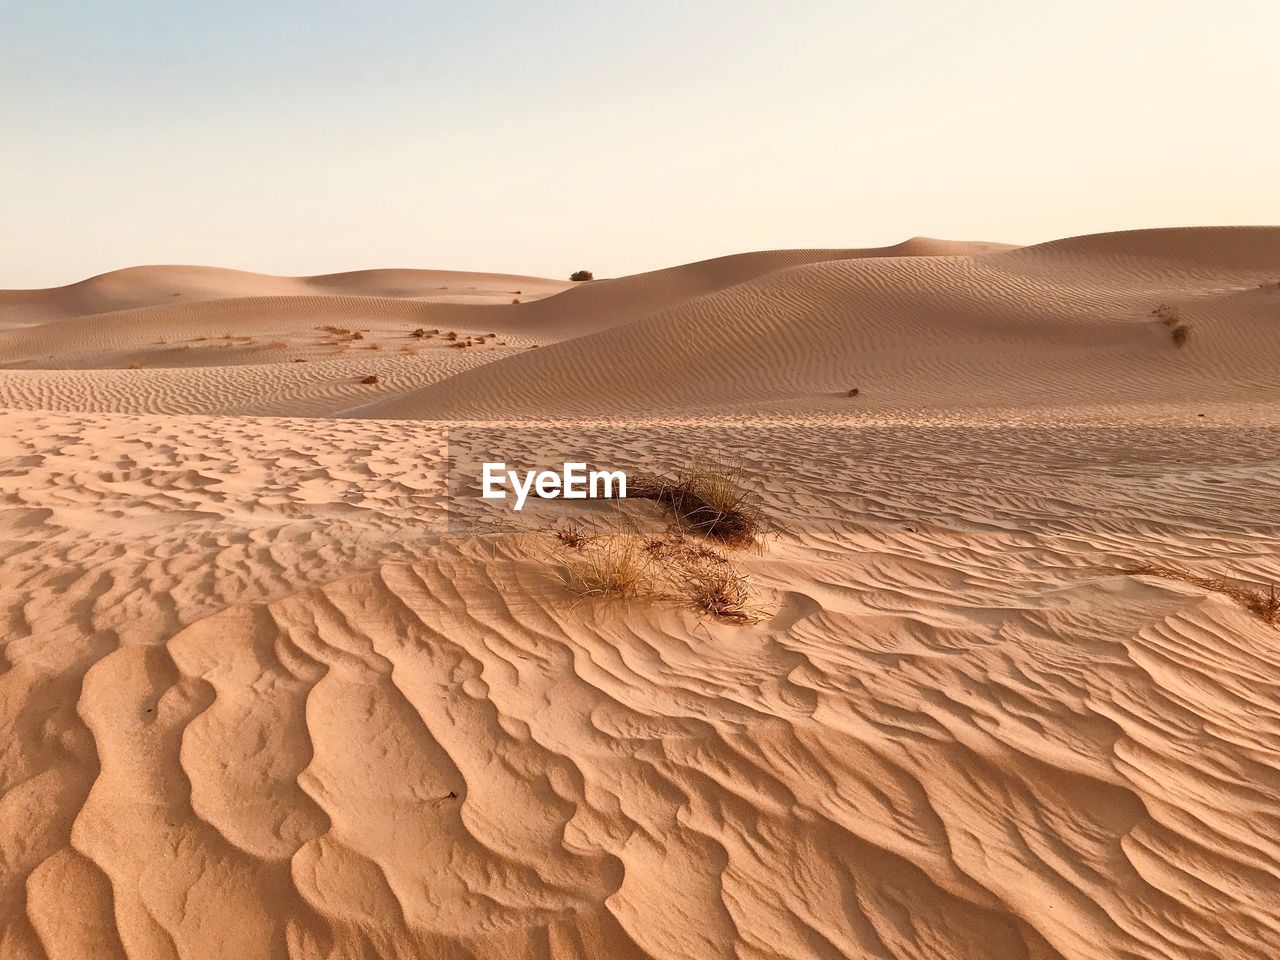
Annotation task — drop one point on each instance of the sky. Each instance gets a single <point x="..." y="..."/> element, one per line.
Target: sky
<point x="297" y="137"/>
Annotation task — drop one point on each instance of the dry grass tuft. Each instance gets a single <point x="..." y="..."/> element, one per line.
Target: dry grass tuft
<point x="1167" y="315"/>
<point x="674" y="568"/>
<point x="1181" y="333"/>
<point x="853" y="392"/>
<point x="707" y="498"/>
<point x="1265" y="605"/>
<point x="371" y="378"/>
<point x="723" y="593"/>
<point x="617" y="567"/>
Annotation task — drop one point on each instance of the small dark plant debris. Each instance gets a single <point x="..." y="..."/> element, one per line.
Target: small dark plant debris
<point x="573" y="535"/>
<point x="371" y="378"/>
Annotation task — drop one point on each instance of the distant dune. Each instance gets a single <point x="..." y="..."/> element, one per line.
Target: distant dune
<point x="924" y="324"/>
<point x="272" y="689"/>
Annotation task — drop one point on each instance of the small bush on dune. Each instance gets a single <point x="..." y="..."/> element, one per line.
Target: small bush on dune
<point x="371" y="378"/>
<point x="708" y="499"/>
<point x="581" y="275"/>
<point x="1181" y="334"/>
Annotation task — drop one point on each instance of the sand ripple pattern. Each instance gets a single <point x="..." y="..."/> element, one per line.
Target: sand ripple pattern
<point x="259" y="702"/>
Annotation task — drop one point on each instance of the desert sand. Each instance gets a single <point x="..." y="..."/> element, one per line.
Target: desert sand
<point x="271" y="690"/>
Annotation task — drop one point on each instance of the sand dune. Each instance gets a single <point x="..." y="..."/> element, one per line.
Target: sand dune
<point x="156" y="286"/>
<point x="271" y="689"/>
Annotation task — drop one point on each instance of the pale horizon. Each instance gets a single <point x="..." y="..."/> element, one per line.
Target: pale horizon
<point x="499" y="139"/>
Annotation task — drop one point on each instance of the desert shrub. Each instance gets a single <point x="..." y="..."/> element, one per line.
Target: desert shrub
<point x="515" y="299"/>
<point x="371" y="378"/>
<point x="708" y="499"/>
<point x="1180" y="334"/>
<point x="853" y="392"/>
<point x="580" y="275"/>
<point x="1167" y="315"/>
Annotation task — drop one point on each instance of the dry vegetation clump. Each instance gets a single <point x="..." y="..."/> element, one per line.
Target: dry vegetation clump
<point x="515" y="299"/>
<point x="853" y="392"/>
<point x="724" y="593"/>
<point x="1265" y="605"/>
<point x="371" y="378"/>
<point x="708" y="499"/>
<point x="616" y="567"/>
<point x="341" y="335"/>
<point x="573" y="535"/>
<point x="1179" y="329"/>
<point x="579" y="275"/>
<point x="683" y="550"/>
<point x="628" y="565"/>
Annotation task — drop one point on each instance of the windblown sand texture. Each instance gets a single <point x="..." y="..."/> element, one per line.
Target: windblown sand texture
<point x="268" y="691"/>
